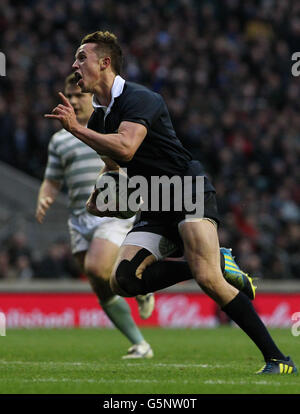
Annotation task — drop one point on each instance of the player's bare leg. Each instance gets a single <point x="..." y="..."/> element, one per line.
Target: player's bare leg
<point x="202" y="252"/>
<point x="97" y="263"/>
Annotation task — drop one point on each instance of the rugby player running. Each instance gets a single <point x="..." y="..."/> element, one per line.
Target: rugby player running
<point x="131" y="125"/>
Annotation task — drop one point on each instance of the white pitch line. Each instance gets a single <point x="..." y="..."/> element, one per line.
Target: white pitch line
<point x="99" y="364"/>
<point x="58" y="363"/>
<point x="166" y="365"/>
<point x="224" y="382"/>
<point x="86" y="380"/>
<point x="141" y="381"/>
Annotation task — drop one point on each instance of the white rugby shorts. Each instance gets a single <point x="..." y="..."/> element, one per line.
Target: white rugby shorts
<point x="85" y="227"/>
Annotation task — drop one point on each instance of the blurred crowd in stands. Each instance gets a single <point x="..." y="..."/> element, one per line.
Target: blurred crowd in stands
<point x="224" y="69"/>
<point x="19" y="262"/>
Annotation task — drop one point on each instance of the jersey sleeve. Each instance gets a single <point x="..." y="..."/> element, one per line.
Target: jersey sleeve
<point x="54" y="168"/>
<point x="142" y="107"/>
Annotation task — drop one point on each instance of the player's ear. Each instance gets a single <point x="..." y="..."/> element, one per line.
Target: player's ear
<point x="105" y="62"/>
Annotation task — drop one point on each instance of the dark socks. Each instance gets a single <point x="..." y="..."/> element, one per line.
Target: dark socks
<point x="163" y="274"/>
<point x="242" y="312"/>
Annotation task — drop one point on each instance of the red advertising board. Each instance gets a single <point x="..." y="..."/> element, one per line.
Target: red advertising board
<point x="171" y="310"/>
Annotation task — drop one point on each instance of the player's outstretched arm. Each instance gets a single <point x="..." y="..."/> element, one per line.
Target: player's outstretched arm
<point x="120" y="146"/>
<point x="47" y="195"/>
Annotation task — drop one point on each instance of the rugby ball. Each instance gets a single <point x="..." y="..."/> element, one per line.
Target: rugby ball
<point x="112" y="195"/>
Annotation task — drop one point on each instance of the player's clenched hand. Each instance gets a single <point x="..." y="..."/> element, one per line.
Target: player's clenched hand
<point x="43" y="204"/>
<point x="91" y="207"/>
<point x="64" y="113"/>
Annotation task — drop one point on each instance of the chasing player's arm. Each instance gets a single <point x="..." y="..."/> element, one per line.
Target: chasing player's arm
<point x="47" y="195"/>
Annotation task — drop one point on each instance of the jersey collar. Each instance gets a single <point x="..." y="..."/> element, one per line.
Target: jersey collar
<point x="116" y="91"/>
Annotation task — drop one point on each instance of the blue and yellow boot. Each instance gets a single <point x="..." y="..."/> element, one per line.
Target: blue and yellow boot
<point x="235" y="276"/>
<point x="277" y="366"/>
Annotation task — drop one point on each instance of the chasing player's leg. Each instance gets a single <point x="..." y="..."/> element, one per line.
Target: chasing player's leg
<point x="115" y="230"/>
<point x="98" y="264"/>
<point x="201" y="247"/>
<point x="146" y="304"/>
<point x="129" y="265"/>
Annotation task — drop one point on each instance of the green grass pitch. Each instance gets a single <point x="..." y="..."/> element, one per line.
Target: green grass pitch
<point x="186" y="361"/>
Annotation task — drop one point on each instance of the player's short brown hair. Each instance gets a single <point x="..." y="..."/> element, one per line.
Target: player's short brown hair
<point x="107" y="43"/>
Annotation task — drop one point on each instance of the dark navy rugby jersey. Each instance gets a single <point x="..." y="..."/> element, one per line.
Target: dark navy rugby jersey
<point x="161" y="152"/>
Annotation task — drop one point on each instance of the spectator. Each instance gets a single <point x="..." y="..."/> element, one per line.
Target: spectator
<point x="24" y="268"/>
<point x="16" y="261"/>
<point x="17" y="246"/>
<point x="6" y="271"/>
<point x="57" y="263"/>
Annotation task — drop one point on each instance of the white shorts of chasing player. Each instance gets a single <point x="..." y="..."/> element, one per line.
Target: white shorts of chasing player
<point x="85" y="227"/>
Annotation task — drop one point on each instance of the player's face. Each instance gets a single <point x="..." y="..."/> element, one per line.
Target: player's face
<point x="87" y="67"/>
<point x="81" y="102"/>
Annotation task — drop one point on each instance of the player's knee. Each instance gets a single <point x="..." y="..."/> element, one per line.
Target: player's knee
<point x="93" y="270"/>
<point x="99" y="278"/>
<point x="125" y="278"/>
<point x="204" y="281"/>
<point x="101" y="287"/>
<point x="210" y="281"/>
